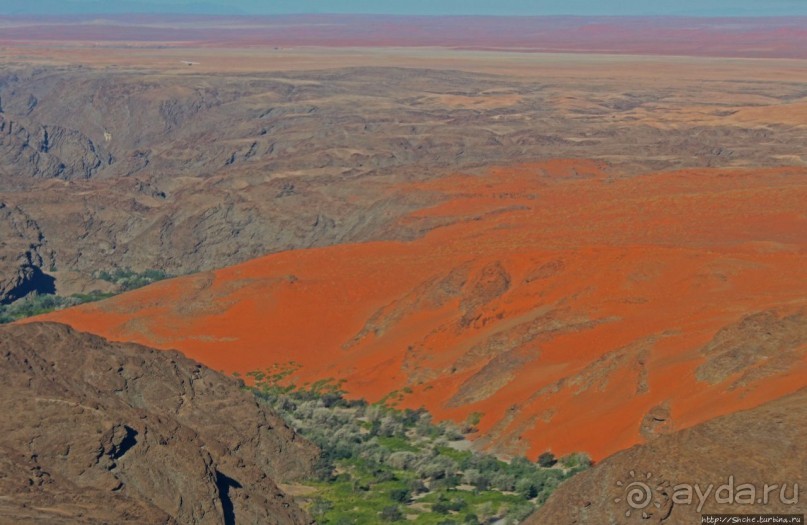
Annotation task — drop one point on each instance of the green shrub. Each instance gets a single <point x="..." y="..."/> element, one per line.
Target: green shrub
<point x="391" y="513"/>
<point x="127" y="279"/>
<point x="381" y="464"/>
<point x="36" y="304"/>
<point x="547" y="460"/>
<point x="577" y="460"/>
<point x="400" y="495"/>
<point x="527" y="488"/>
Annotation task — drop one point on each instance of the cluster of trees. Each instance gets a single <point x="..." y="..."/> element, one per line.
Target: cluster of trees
<point x="36" y="304"/>
<point x="398" y="464"/>
<point x="129" y="280"/>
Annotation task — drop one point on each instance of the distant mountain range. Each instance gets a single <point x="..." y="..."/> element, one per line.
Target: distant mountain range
<point x="59" y="8"/>
<point x="711" y="8"/>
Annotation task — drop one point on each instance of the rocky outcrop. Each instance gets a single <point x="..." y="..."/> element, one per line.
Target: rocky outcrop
<point x="650" y="483"/>
<point x="33" y="150"/>
<point x="490" y="283"/>
<point x="759" y="345"/>
<point x="97" y="432"/>
<point x="23" y="254"/>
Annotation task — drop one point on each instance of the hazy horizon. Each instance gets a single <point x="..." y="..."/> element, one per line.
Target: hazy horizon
<point x="707" y="8"/>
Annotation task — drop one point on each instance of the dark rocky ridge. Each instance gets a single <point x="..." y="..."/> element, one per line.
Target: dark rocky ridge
<point x="97" y="432"/>
<point x="761" y="446"/>
<point x="23" y="255"/>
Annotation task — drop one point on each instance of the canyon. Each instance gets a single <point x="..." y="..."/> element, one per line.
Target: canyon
<point x="580" y="241"/>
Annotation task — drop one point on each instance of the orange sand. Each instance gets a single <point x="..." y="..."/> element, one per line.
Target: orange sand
<point x="561" y="301"/>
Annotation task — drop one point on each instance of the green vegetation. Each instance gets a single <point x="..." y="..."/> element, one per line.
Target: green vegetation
<point x="36" y="304"/>
<point x="128" y="280"/>
<point x="547" y="459"/>
<point x="42" y="304"/>
<point x="381" y="465"/>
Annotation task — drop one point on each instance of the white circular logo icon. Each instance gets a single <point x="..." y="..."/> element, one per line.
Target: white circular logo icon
<point x="637" y="492"/>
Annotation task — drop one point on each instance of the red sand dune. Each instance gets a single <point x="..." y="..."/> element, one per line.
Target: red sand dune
<point x="561" y="301"/>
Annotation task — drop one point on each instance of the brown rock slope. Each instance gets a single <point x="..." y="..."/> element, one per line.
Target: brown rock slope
<point x="757" y="447"/>
<point x="23" y="255"/>
<point x="98" y="432"/>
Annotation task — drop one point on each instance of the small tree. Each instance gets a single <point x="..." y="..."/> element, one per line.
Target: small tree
<point x="418" y="487"/>
<point x="547" y="460"/>
<point x="577" y="460"/>
<point x="503" y="481"/>
<point x="482" y="483"/>
<point x="319" y="507"/>
<point x="401" y="460"/>
<point x="391" y="513"/>
<point x="400" y="495"/>
<point x="526" y="488"/>
<point x="471" y="422"/>
<point x="486" y="511"/>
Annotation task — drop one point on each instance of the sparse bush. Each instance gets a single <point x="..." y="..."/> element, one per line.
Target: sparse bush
<point x="503" y="481"/>
<point x="38" y="304"/>
<point x="577" y="461"/>
<point x="486" y="511"/>
<point x="418" y="487"/>
<point x="519" y="513"/>
<point x="400" y="495"/>
<point x="453" y="434"/>
<point x="547" y="460"/>
<point x="437" y="468"/>
<point x="402" y="460"/>
<point x="319" y="507"/>
<point x="391" y="513"/>
<point x="471" y="422"/>
<point x="126" y="279"/>
<point x="470" y="476"/>
<point x="527" y="488"/>
<point x="382" y="476"/>
<point x="444" y="505"/>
